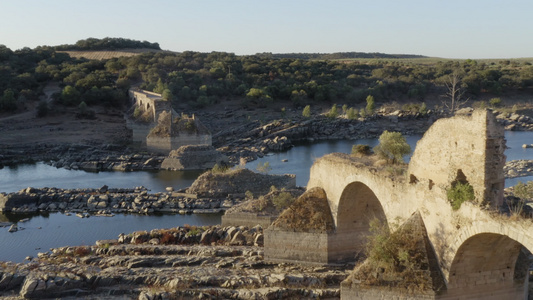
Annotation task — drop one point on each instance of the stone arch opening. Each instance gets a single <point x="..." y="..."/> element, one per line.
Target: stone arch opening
<point x="358" y="206"/>
<point x="489" y="266"/>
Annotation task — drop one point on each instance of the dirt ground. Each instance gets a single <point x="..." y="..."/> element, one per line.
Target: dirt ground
<point x="61" y="126"/>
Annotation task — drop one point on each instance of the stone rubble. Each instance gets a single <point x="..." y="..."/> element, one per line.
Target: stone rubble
<point x="107" y="201"/>
<point x="185" y="262"/>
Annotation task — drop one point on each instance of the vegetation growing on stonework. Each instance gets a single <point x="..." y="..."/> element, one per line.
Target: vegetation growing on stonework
<point x="459" y="193"/>
<point x="397" y="258"/>
<point x="309" y="213"/>
<point x="389" y="253"/>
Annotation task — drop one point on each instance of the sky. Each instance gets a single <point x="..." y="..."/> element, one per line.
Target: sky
<point x="472" y="29"/>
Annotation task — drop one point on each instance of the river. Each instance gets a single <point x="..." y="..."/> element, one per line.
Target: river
<point x="42" y="232"/>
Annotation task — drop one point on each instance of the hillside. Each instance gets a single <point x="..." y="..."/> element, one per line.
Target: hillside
<point x="106" y="54"/>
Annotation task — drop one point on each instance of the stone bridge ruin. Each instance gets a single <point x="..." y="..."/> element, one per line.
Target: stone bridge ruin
<point x="478" y="252"/>
<point x="156" y="125"/>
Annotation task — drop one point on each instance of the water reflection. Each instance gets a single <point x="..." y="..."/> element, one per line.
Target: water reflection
<point x="39" y="175"/>
<point x="43" y="232"/>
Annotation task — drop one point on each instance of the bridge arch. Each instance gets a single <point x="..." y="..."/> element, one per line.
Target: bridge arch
<point x="358" y="205"/>
<point x="489" y="265"/>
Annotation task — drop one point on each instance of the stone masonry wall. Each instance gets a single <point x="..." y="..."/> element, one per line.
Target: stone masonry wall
<point x="296" y="247"/>
<point x="145" y="100"/>
<point x="246" y="219"/>
<point x="166" y="144"/>
<point x="469" y="144"/>
<point x="348" y="292"/>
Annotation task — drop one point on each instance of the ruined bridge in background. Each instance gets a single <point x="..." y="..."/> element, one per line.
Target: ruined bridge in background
<point x="480" y="253"/>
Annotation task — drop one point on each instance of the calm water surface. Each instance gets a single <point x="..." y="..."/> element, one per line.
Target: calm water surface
<point x="60" y="230"/>
<point x="43" y="232"/>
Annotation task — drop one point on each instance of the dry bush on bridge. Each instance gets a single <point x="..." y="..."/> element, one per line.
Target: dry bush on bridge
<point x="309" y="213"/>
<point x="401" y="259"/>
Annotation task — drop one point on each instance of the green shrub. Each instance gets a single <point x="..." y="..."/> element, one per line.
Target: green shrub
<point x="423" y="108"/>
<point x="360" y="149"/>
<point x="523" y="190"/>
<point x="370" y="105"/>
<point x="395" y="258"/>
<point x="306" y="113"/>
<point x="248" y="194"/>
<point x="480" y="104"/>
<point x="333" y="113"/>
<point x="411" y="107"/>
<point x="352" y="113"/>
<point x="283" y="200"/>
<point x="264" y="168"/>
<point x="460" y="193"/>
<point x="525" y="193"/>
<point x="137" y="112"/>
<point x="495" y="102"/>
<point x="42" y="109"/>
<point x="219" y="169"/>
<point x="391" y="253"/>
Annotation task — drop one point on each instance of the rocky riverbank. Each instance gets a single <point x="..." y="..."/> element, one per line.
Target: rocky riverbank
<point x="106" y="201"/>
<point x="210" y="193"/>
<point x="249" y="140"/>
<point x="518" y="168"/>
<point x="179" y="263"/>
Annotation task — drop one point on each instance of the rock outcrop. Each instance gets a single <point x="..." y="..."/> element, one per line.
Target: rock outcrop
<point x="193" y="157"/>
<point x="238" y="181"/>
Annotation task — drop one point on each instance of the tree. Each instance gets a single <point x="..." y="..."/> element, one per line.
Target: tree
<point x="167" y="95"/>
<point x="392" y="146"/>
<point x="352" y="113"/>
<point x="454" y="92"/>
<point x="370" y="105"/>
<point x="42" y="109"/>
<point x="306" y="113"/>
<point x="8" y="101"/>
<point x="332" y="113"/>
<point x="70" y="95"/>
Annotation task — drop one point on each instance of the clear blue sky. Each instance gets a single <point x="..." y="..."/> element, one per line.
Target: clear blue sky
<point x="441" y="28"/>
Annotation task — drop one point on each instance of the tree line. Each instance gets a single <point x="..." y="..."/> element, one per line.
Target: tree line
<point x="108" y="44"/>
<point x="204" y="79"/>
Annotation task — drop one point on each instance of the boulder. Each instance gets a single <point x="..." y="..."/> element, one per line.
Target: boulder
<point x="193" y="157"/>
<point x="13" y="200"/>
